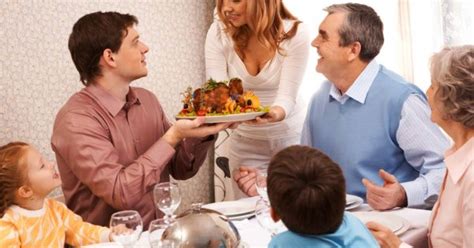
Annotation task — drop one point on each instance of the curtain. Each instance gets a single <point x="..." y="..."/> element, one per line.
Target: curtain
<point x="413" y="31"/>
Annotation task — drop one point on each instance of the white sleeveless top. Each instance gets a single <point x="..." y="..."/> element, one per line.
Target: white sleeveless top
<point x="276" y="84"/>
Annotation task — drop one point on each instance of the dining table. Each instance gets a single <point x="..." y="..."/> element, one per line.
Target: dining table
<point x="252" y="234"/>
<point x="415" y="235"/>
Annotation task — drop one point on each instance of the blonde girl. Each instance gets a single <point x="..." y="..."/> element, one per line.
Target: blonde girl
<point x="28" y="218"/>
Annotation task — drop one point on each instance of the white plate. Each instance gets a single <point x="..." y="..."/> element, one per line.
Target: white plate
<point x="350" y="199"/>
<point x="224" y="118"/>
<point x="353" y="201"/>
<point x="243" y="244"/>
<point x="393" y="222"/>
<point x="232" y="208"/>
<point x="406" y="227"/>
<point x="242" y="216"/>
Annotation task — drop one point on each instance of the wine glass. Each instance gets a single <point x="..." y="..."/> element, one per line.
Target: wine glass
<point x="126" y="227"/>
<point x="167" y="198"/>
<point x="264" y="218"/>
<point x="155" y="234"/>
<point x="261" y="184"/>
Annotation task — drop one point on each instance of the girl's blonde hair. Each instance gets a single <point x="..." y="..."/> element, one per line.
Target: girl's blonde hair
<point x="265" y="20"/>
<point x="12" y="172"/>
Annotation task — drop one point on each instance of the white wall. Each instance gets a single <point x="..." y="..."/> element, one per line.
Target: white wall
<point x="37" y="74"/>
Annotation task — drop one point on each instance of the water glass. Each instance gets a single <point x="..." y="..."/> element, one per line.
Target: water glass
<point x="261" y="184"/>
<point x="264" y="218"/>
<point x="167" y="198"/>
<point x="126" y="227"/>
<point x="155" y="236"/>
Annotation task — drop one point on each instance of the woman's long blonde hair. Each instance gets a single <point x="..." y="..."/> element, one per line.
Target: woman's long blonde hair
<point x="265" y="20"/>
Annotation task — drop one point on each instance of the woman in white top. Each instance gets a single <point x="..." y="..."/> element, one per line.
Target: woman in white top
<point x="262" y="43"/>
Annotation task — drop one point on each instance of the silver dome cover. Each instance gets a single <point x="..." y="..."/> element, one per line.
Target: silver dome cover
<point x="201" y="227"/>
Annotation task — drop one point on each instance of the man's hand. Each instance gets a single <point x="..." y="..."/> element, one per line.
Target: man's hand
<point x="384" y="236"/>
<point x="245" y="177"/>
<point x="192" y="129"/>
<point x="388" y="196"/>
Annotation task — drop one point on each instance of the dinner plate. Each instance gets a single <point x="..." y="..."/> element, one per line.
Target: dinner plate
<point x="242" y="216"/>
<point x="406" y="227"/>
<point x="232" y="208"/>
<point x="243" y="244"/>
<point x="393" y="222"/>
<point x="353" y="201"/>
<point x="224" y="118"/>
<point x="350" y="199"/>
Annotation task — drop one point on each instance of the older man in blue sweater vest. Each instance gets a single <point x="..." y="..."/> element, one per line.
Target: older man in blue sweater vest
<point x="368" y="119"/>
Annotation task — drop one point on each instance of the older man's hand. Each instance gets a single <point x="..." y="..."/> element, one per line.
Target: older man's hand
<point x="388" y="196"/>
<point x="245" y="177"/>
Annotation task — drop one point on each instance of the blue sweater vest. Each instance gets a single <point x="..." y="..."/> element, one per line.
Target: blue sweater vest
<point x="361" y="138"/>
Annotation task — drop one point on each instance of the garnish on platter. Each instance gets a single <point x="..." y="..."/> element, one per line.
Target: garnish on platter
<point x="221" y="102"/>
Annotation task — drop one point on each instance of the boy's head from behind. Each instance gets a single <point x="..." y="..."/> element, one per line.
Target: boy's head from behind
<point x="306" y="190"/>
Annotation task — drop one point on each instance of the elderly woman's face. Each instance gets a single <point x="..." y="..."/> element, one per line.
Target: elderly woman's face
<point x="235" y="11"/>
<point x="436" y="115"/>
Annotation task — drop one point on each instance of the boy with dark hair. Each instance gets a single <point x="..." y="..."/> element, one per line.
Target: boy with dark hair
<point x="307" y="192"/>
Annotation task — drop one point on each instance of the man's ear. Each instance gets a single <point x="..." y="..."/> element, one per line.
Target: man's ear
<point x="274" y="215"/>
<point x="108" y="58"/>
<point x="24" y="192"/>
<point x="354" y="51"/>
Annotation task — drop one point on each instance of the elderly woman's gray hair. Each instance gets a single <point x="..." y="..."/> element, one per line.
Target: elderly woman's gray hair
<point x="452" y="70"/>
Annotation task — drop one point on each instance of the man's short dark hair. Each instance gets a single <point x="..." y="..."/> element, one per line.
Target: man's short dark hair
<point x="307" y="190"/>
<point x="362" y="24"/>
<point x="91" y="35"/>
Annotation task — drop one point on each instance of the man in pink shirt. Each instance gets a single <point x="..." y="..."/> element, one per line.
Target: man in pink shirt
<point x="113" y="142"/>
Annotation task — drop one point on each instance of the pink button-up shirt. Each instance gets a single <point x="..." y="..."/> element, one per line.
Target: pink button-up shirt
<point x="110" y="153"/>
<point x="452" y="221"/>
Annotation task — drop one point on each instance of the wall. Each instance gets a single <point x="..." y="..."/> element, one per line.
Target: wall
<point x="37" y="75"/>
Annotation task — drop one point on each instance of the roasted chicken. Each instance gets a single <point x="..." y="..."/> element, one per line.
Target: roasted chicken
<point x="220" y="98"/>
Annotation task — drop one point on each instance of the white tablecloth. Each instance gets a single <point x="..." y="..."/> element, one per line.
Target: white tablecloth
<point x="418" y="219"/>
<point x="255" y="236"/>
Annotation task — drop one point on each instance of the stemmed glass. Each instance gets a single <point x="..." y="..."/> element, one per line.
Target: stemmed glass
<point x="264" y="218"/>
<point x="261" y="184"/>
<point x="130" y="226"/>
<point x="167" y="198"/>
<point x="155" y="234"/>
